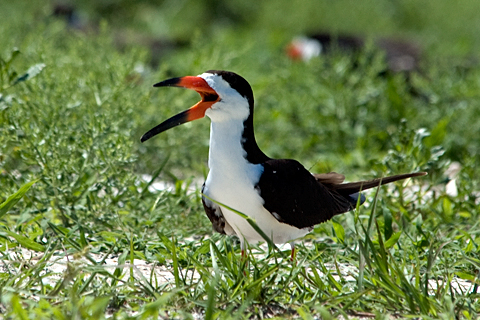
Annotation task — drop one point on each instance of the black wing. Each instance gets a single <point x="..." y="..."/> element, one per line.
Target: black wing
<point x="214" y="213"/>
<point x="295" y="197"/>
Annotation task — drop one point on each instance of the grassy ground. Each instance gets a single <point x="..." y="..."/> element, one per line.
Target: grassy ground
<point x="74" y="103"/>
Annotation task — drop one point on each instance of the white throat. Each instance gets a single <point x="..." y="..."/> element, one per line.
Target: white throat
<point x="226" y="151"/>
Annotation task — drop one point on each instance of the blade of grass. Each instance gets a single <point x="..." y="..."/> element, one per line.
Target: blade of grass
<point x="383" y="261"/>
<point x="14" y="198"/>
<point x="23" y="241"/>
<point x="363" y="247"/>
<point x="176" y="270"/>
<point x="155" y="175"/>
<point x="209" y="312"/>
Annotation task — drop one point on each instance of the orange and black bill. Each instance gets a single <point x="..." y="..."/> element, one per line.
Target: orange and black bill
<point x="209" y="97"/>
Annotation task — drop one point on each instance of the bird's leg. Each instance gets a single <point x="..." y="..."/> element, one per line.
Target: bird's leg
<point x="244" y="258"/>
<point x="242" y="247"/>
<point x="293" y="255"/>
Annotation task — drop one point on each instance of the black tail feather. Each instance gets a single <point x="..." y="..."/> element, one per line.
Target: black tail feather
<point x="353" y="187"/>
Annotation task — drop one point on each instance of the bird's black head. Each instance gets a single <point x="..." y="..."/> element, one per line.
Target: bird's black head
<point x="226" y="96"/>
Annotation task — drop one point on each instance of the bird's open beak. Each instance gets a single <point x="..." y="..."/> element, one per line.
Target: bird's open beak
<point x="209" y="97"/>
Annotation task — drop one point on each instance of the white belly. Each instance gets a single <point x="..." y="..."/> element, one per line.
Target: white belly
<point x="240" y="194"/>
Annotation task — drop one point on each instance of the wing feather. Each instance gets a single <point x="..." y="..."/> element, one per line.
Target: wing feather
<point x="215" y="215"/>
<point x="296" y="197"/>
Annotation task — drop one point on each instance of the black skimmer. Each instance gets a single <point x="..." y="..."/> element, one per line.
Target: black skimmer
<point x="283" y="198"/>
<point x="400" y="55"/>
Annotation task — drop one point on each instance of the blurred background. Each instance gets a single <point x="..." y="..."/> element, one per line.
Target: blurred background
<point x="446" y="26"/>
<point x="379" y="70"/>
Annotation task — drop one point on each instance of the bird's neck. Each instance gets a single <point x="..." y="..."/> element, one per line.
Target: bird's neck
<point x="233" y="146"/>
<point x="249" y="144"/>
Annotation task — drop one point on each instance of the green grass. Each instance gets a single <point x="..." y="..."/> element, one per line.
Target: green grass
<point x="73" y="107"/>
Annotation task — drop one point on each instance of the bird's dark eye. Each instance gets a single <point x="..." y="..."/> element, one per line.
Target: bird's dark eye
<point x="210" y="97"/>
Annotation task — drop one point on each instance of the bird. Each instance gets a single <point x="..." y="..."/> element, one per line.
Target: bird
<point x="283" y="198"/>
<point x="400" y="55"/>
